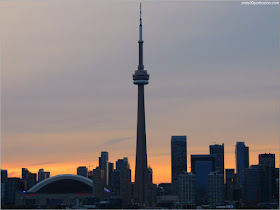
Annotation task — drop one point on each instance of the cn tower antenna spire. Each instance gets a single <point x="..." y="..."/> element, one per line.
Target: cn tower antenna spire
<point x="140" y="25"/>
<point x="141" y="65"/>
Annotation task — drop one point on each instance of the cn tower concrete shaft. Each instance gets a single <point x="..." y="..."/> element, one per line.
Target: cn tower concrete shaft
<point x="141" y="78"/>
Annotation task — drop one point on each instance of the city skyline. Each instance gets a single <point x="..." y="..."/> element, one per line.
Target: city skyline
<point x="91" y="167"/>
<point x="58" y="102"/>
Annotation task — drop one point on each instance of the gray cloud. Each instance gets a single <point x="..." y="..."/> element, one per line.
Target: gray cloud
<point x="116" y="141"/>
<point x="41" y="163"/>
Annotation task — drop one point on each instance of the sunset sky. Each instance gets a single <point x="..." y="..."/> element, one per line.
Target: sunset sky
<point x="67" y="91"/>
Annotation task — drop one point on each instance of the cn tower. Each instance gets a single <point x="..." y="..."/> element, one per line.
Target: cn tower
<point x="141" y="78"/>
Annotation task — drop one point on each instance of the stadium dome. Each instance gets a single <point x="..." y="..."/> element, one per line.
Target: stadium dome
<point x="65" y="183"/>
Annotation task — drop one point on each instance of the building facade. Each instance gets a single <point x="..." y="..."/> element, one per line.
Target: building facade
<point x="267" y="159"/>
<point x="242" y="159"/>
<point x="229" y="184"/>
<point x="215" y="189"/>
<point x="187" y="189"/>
<point x="41" y="175"/>
<point x="218" y="150"/>
<point x="82" y="171"/>
<point x="98" y="183"/>
<point x="103" y="164"/>
<point x="125" y="186"/>
<point x="4" y="185"/>
<point x="178" y="159"/>
<point x="201" y="166"/>
<point x="252" y="188"/>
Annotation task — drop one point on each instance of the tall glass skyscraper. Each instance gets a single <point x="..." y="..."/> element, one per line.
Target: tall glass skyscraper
<point x="218" y="150"/>
<point x="242" y="159"/>
<point x="103" y="164"/>
<point x="201" y="166"/>
<point x="178" y="159"/>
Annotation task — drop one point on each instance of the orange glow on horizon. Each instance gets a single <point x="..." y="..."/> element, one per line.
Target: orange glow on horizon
<point x="161" y="167"/>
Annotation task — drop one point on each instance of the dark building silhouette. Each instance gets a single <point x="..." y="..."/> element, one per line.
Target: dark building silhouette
<point x="267" y="159"/>
<point x="237" y="194"/>
<point x="116" y="177"/>
<point x="218" y="150"/>
<point x="24" y="173"/>
<point x="252" y="188"/>
<point x="47" y="174"/>
<point x="150" y="175"/>
<point x="187" y="189"/>
<point x="276" y="185"/>
<point x="178" y="159"/>
<point x="242" y="159"/>
<point x="41" y="175"/>
<point x="13" y="185"/>
<point x="215" y="185"/>
<point x="165" y="189"/>
<point x="201" y="166"/>
<point x="110" y="171"/>
<point x="121" y="163"/>
<point x="276" y="189"/>
<point x="229" y="184"/>
<point x="151" y="195"/>
<point x="98" y="183"/>
<point x="31" y="180"/>
<point x="125" y="186"/>
<point x="90" y="174"/>
<point x="4" y="186"/>
<point x="115" y="185"/>
<point x="267" y="163"/>
<point x="141" y="78"/>
<point x="103" y="164"/>
<point x="267" y="181"/>
<point x="82" y="171"/>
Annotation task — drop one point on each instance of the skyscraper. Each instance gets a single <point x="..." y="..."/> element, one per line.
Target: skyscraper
<point x="150" y="174"/>
<point x="201" y="166"/>
<point x="82" y="171"/>
<point x="98" y="183"/>
<point x="229" y="184"/>
<point x="215" y="188"/>
<point x="218" y="150"/>
<point x="121" y="163"/>
<point x="141" y="78"/>
<point x="31" y="180"/>
<point x="242" y="159"/>
<point x="41" y="175"/>
<point x="125" y="186"/>
<point x="252" y="188"/>
<point x="178" y="159"/>
<point x="187" y="188"/>
<point x="267" y="163"/>
<point x="110" y="171"/>
<point x="4" y="185"/>
<point x="24" y="173"/>
<point x="103" y="164"/>
<point x="267" y="159"/>
<point x="47" y="174"/>
<point x="13" y="185"/>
